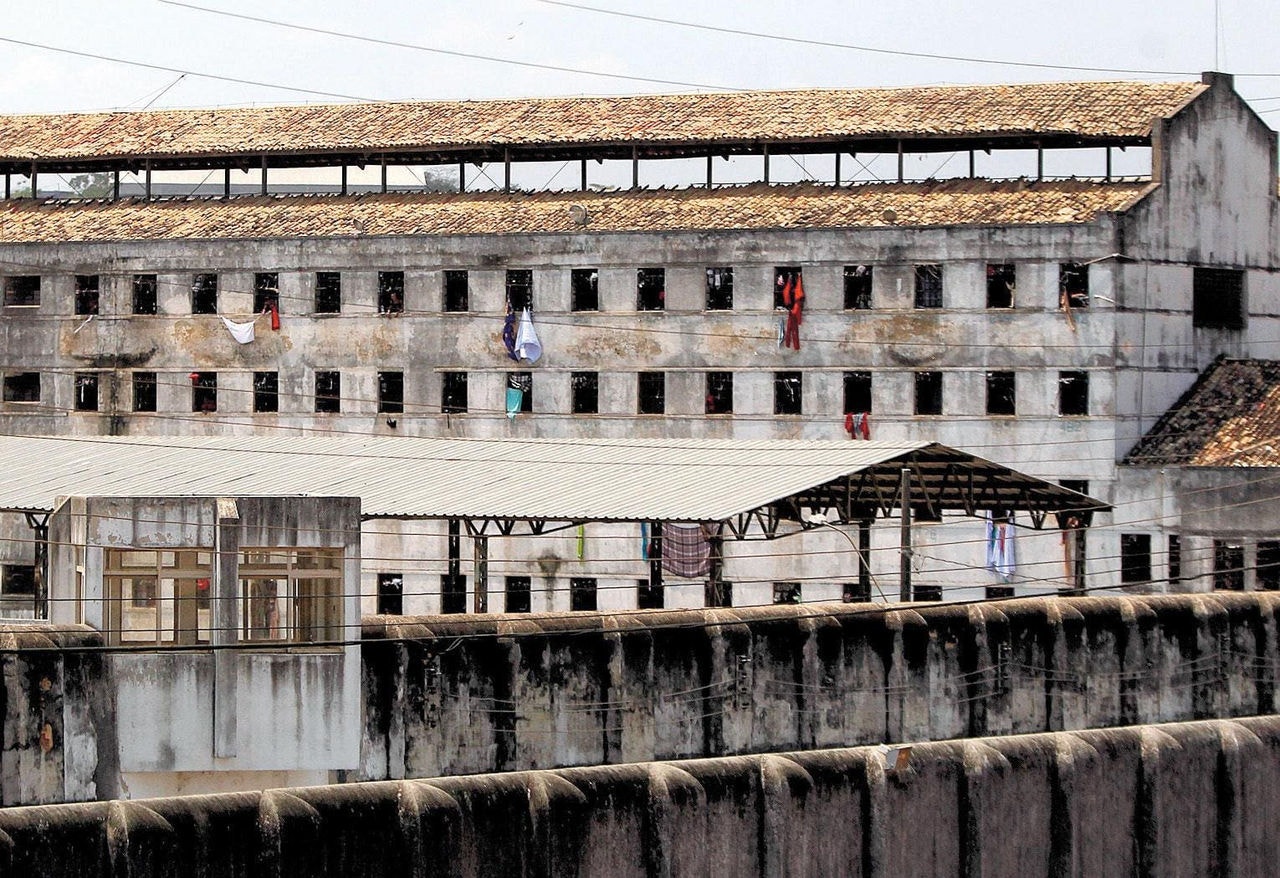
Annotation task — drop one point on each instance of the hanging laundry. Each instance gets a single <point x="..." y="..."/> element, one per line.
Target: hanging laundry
<point x="1000" y="551"/>
<point x="527" y="345"/>
<point x="793" y="300"/>
<point x="782" y="325"/>
<point x="644" y="541"/>
<point x="686" y="550"/>
<point x="274" y="308"/>
<point x="582" y="541"/>
<point x="517" y="385"/>
<point x="241" y="332"/>
<point x="509" y="333"/>
<point x="858" y="424"/>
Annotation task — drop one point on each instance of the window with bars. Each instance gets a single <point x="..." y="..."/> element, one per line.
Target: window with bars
<point x="144" y="391"/>
<point x="719" y="393"/>
<point x="651" y="289"/>
<point x="719" y="289"/>
<point x="1001" y="393"/>
<point x="266" y="291"/>
<point x="584" y="289"/>
<point x="328" y="392"/>
<point x="266" y="391"/>
<point x="86" y="399"/>
<point x="520" y="289"/>
<point x="523" y="382"/>
<point x="457" y="290"/>
<point x="1228" y="565"/>
<point x="582" y="594"/>
<point x="291" y="595"/>
<point x="87" y="294"/>
<point x="518" y="595"/>
<point x="1268" y="565"/>
<point x="145" y="294"/>
<point x="928" y="286"/>
<point x="786" y="593"/>
<point x="390" y="393"/>
<point x="857" y="287"/>
<point x="453" y="393"/>
<point x="585" y="390"/>
<point x="788" y="393"/>
<point x="160" y="598"/>
<point x="391" y="292"/>
<point x="204" y="293"/>
<point x="651" y="393"/>
<point x="1175" y="559"/>
<point x="204" y="391"/>
<point x="328" y="298"/>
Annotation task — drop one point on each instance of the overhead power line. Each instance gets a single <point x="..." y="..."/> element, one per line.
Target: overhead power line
<point x="417" y="47"/>
<point x="933" y="56"/>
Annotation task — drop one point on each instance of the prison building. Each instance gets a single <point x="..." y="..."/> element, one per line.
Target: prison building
<point x="1033" y="273"/>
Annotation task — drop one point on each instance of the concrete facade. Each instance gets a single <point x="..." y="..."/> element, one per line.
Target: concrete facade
<point x="1213" y="203"/>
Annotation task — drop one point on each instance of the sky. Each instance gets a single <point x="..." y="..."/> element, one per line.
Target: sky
<point x="1173" y="40"/>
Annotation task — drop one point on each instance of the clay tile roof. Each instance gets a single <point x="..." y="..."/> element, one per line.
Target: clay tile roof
<point x="798" y="206"/>
<point x="1079" y="109"/>
<point x="1229" y="417"/>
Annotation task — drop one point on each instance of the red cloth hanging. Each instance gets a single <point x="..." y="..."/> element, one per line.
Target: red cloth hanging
<point x="793" y="298"/>
<point x="274" y="308"/>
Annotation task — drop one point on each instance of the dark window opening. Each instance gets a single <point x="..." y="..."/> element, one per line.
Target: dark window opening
<point x="204" y="391"/>
<point x="1073" y="393"/>
<point x="1135" y="559"/>
<point x="87" y="295"/>
<point x="523" y="382"/>
<point x="266" y="391"/>
<point x="856" y="592"/>
<point x="328" y="392"/>
<point x="86" y="391"/>
<point x="787" y="393"/>
<point x="1228" y="565"/>
<point x="857" y="287"/>
<point x="391" y="292"/>
<point x="204" y="294"/>
<point x="1175" y="559"/>
<point x="651" y="289"/>
<point x="582" y="594"/>
<point x="519" y="289"/>
<point x="145" y="296"/>
<point x="857" y="392"/>
<point x="1001" y="395"/>
<point x="453" y="593"/>
<point x="649" y="596"/>
<point x="926" y="593"/>
<point x="1217" y="298"/>
<point x="786" y="592"/>
<point x="144" y="391"/>
<point x="518" y="594"/>
<point x="585" y="388"/>
<point x="457" y="290"/>
<point x="719" y="594"/>
<point x="390" y="392"/>
<point x="719" y="289"/>
<point x="719" y="393"/>
<point x="785" y="280"/>
<point x="23" y="387"/>
<point x="996" y="592"/>
<point x="584" y="289"/>
<point x="328" y="292"/>
<point x="651" y="393"/>
<point x="18" y="579"/>
<point x="1001" y="284"/>
<point x="928" y="393"/>
<point x="928" y="286"/>
<point x="1073" y="285"/>
<point x="1075" y="525"/>
<point x="390" y="594"/>
<point x="1269" y="565"/>
<point x="22" y="290"/>
<point x="453" y="393"/>
<point x="266" y="291"/>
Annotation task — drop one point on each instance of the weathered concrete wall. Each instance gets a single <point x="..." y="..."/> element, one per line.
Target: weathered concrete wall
<point x="450" y="695"/>
<point x="1192" y="799"/>
<point x="58" y="738"/>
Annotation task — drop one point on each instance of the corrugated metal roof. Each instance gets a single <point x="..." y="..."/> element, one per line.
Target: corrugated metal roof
<point x="799" y="206"/>
<point x="1075" y="109"/>
<point x="598" y="480"/>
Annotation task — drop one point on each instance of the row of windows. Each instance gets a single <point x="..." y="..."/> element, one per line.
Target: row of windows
<point x="651" y="391"/>
<point x="1228" y="562"/>
<point x="24" y="290"/>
